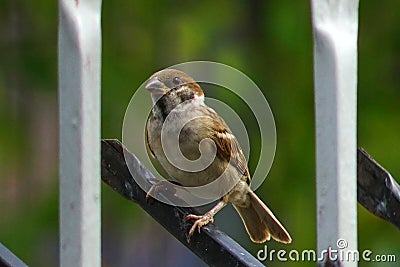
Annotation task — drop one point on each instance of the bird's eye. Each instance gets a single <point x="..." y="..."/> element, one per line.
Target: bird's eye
<point x="176" y="80"/>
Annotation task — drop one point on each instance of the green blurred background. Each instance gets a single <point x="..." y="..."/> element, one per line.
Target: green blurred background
<point x="270" y="41"/>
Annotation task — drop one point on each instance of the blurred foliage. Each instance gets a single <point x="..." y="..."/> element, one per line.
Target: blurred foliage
<point x="270" y="41"/>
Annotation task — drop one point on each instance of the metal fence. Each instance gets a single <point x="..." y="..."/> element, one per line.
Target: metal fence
<point x="344" y="175"/>
<point x="335" y="56"/>
<point x="79" y="121"/>
<point x="335" y="27"/>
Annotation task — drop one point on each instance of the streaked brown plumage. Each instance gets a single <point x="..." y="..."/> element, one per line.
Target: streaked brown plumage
<point x="175" y="93"/>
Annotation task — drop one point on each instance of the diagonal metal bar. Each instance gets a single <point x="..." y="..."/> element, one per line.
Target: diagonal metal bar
<point x="213" y="246"/>
<point x="377" y="191"/>
<point x="8" y="259"/>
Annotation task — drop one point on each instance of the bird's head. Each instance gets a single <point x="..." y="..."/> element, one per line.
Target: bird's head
<point x="173" y="84"/>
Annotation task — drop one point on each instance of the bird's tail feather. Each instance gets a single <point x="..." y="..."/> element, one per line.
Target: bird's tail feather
<point x="260" y="222"/>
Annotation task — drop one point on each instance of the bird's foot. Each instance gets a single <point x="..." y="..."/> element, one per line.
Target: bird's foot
<point x="159" y="186"/>
<point x="200" y="221"/>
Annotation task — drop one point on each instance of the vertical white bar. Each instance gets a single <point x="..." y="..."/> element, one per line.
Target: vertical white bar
<point x="79" y="114"/>
<point x="335" y="28"/>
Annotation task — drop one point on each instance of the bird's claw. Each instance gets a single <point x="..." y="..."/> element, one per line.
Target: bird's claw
<point x="200" y="221"/>
<point x="160" y="186"/>
<point x="153" y="188"/>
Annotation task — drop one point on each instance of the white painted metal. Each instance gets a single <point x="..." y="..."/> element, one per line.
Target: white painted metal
<point x="79" y="113"/>
<point x="335" y="28"/>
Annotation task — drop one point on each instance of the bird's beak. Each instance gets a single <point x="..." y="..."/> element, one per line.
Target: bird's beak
<point x="154" y="86"/>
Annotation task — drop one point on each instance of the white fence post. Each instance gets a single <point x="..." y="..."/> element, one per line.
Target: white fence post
<point x="335" y="27"/>
<point x="79" y="117"/>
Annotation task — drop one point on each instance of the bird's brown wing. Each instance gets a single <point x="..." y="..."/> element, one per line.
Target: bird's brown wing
<point x="228" y="147"/>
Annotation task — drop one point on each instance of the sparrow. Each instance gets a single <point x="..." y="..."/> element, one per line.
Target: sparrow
<point x="179" y="99"/>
